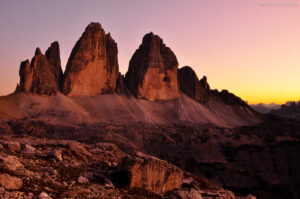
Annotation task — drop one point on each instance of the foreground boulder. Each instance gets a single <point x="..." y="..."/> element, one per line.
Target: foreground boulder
<point x="152" y="72"/>
<point x="190" y="85"/>
<point x="10" y="182"/>
<point x="43" y="74"/>
<point x="93" y="67"/>
<point x="149" y="173"/>
<point x="10" y="163"/>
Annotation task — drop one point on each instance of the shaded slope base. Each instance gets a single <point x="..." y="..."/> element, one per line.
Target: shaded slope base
<point x="118" y="109"/>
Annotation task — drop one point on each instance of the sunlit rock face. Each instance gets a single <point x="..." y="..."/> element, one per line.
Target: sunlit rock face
<point x="92" y="68"/>
<point x="43" y="74"/>
<point x="150" y="173"/>
<point x="190" y="85"/>
<point x="152" y="72"/>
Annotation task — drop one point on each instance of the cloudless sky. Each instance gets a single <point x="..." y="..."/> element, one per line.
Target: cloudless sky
<point x="249" y="47"/>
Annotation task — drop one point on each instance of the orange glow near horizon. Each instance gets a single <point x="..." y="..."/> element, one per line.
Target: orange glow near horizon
<point x="250" y="48"/>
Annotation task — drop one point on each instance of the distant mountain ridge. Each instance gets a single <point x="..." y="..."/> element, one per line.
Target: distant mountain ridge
<point x="289" y="110"/>
<point x="265" y="108"/>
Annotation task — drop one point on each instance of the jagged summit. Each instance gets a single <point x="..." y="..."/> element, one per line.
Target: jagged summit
<point x="93" y="67"/>
<point x="43" y="74"/>
<point x="53" y="54"/>
<point x="152" y="72"/>
<point x="37" y="51"/>
<point x="150" y="37"/>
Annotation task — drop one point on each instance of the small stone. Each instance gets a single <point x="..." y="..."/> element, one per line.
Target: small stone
<point x="109" y="186"/>
<point x="28" y="150"/>
<point x="48" y="189"/>
<point x="71" y="183"/>
<point x="250" y="197"/>
<point x="14" y="146"/>
<point x="114" y="164"/>
<point x="83" y="179"/>
<point x="53" y="173"/>
<point x="57" y="154"/>
<point x="44" y="195"/>
<point x="28" y="147"/>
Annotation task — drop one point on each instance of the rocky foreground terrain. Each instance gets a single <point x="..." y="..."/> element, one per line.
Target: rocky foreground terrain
<point x="260" y="160"/>
<point x="34" y="167"/>
<point x="157" y="132"/>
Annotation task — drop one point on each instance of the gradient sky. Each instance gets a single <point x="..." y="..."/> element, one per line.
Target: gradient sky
<point x="249" y="47"/>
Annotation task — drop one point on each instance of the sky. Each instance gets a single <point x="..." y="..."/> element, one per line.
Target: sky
<point x="249" y="47"/>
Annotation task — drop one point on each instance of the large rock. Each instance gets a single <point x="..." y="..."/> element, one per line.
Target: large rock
<point x="149" y="173"/>
<point x="11" y="163"/>
<point x="191" y="86"/>
<point x="10" y="182"/>
<point x="152" y="72"/>
<point x="93" y="67"/>
<point x="43" y="74"/>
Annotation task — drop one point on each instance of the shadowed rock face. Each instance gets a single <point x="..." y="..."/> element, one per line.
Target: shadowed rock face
<point x="121" y="87"/>
<point x="152" y="72"/>
<point x="190" y="85"/>
<point x="228" y="98"/>
<point x="93" y="64"/>
<point x="43" y="75"/>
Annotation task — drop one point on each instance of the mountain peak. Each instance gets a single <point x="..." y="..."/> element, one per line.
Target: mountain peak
<point x="37" y="51"/>
<point x="43" y="74"/>
<point x="152" y="72"/>
<point x="94" y="26"/>
<point x="92" y="67"/>
<point x="151" y="38"/>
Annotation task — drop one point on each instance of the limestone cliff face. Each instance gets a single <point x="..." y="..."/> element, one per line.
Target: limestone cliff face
<point x="191" y="86"/>
<point x="152" y="72"/>
<point x="92" y="68"/>
<point x="43" y="74"/>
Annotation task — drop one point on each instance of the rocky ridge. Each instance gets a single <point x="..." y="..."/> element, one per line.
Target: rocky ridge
<point x="190" y="85"/>
<point x="289" y="110"/>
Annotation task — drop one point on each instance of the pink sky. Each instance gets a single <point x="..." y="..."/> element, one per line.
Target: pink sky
<point x="250" y="47"/>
